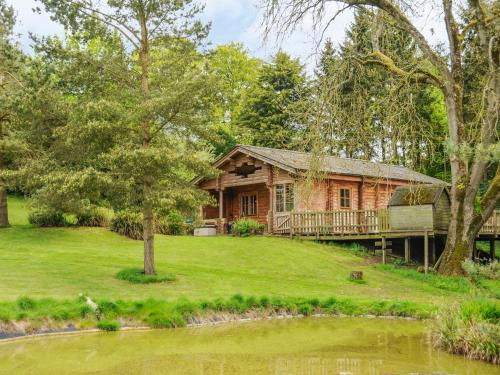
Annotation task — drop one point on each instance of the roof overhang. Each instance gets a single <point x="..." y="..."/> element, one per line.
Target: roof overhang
<point x="241" y="149"/>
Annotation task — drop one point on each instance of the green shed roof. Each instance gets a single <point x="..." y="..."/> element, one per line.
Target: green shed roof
<point x="417" y="195"/>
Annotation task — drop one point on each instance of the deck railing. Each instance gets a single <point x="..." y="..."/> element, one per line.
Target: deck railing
<point x="349" y="222"/>
<point x="323" y="223"/>
<point x="492" y="225"/>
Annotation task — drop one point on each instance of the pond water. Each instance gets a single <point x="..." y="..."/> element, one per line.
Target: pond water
<point x="297" y="346"/>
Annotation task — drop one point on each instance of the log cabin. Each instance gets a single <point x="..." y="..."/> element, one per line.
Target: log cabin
<point x="267" y="184"/>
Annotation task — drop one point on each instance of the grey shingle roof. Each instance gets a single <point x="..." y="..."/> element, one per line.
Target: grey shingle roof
<point x="295" y="161"/>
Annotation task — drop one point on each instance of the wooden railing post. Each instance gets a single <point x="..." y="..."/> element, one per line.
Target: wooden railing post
<point x="407" y="250"/>
<point x="383" y="250"/>
<point x="426" y="251"/>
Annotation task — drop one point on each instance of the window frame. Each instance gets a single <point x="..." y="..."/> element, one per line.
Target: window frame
<point x="285" y="205"/>
<point x="249" y="207"/>
<point x="343" y="199"/>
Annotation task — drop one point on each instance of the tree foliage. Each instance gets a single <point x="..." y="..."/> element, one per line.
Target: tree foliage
<point x="136" y="87"/>
<point x="267" y="116"/>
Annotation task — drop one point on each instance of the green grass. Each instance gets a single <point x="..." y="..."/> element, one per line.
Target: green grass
<point x="471" y="329"/>
<point x="61" y="263"/>
<point x="137" y="276"/>
<point x="56" y="314"/>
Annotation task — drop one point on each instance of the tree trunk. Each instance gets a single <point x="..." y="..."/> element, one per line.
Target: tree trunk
<point x="147" y="209"/>
<point x="458" y="243"/>
<point x="4" y="213"/>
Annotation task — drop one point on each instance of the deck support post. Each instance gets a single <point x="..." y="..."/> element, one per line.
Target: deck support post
<point x="221" y="211"/>
<point x="433" y="243"/>
<point x="383" y="251"/>
<point x="492" y="249"/>
<point x="426" y="251"/>
<point x="407" y="250"/>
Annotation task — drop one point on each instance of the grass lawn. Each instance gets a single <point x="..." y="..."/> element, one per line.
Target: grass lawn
<point x="63" y="262"/>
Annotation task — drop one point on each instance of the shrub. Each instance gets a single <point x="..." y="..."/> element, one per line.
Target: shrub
<point x="477" y="271"/>
<point x="172" y="320"/>
<point x="245" y="227"/>
<point x="47" y="218"/>
<point x="26" y="303"/>
<point x="128" y="224"/>
<point x="305" y="309"/>
<point x="95" y="217"/>
<point x="470" y="329"/>
<point x="108" y="325"/>
<point x="172" y="224"/>
<point x="137" y="276"/>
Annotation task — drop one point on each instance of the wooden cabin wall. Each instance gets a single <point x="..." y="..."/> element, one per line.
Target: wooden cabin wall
<point x="211" y="212"/>
<point x="262" y="201"/>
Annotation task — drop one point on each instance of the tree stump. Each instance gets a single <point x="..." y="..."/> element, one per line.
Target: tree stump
<point x="356" y="275"/>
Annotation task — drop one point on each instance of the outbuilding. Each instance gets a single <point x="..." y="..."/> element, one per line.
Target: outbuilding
<point x="417" y="207"/>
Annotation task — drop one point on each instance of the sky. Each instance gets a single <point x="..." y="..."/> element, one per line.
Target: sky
<point x="232" y="21"/>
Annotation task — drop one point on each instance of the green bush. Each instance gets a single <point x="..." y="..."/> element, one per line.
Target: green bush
<point x="95" y="217"/>
<point x="172" y="224"/>
<point x="137" y="276"/>
<point x="172" y="320"/>
<point x="128" y="224"/>
<point x="477" y="271"/>
<point x="108" y="325"/>
<point x="246" y="227"/>
<point x="26" y="303"/>
<point x="47" y="218"/>
<point x="471" y="329"/>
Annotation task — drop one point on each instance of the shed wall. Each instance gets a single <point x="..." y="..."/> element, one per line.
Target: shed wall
<point x="442" y="213"/>
<point x="411" y="217"/>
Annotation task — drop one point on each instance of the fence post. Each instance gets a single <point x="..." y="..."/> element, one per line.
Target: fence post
<point x="426" y="251"/>
<point x="292" y="226"/>
<point x="407" y="250"/>
<point x="383" y="250"/>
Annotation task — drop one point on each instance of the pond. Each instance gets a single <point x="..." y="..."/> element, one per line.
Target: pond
<point x="280" y="347"/>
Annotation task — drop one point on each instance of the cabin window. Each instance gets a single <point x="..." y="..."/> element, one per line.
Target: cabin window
<point x="345" y="198"/>
<point x="249" y="204"/>
<point x="284" y="198"/>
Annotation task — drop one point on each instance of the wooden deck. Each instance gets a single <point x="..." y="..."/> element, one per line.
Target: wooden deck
<point x="356" y="224"/>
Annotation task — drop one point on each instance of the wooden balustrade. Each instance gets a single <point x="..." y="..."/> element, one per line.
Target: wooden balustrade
<point x="325" y="223"/>
<point x="348" y="222"/>
<point x="492" y="225"/>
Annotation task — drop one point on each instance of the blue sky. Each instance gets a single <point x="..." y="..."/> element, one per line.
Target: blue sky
<point x="232" y="20"/>
<point x="239" y="21"/>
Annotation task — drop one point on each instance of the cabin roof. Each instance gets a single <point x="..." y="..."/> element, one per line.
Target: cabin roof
<point x="295" y="161"/>
<point x="418" y="195"/>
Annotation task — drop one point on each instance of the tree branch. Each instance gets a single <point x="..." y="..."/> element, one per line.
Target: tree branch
<point x="418" y="75"/>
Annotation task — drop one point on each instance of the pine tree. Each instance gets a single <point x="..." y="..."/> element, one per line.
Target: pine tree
<point x="267" y="114"/>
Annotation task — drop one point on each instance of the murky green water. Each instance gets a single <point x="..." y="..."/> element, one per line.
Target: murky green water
<point x="303" y="346"/>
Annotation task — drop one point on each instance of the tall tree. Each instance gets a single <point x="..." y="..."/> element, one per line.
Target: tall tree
<point x="469" y="164"/>
<point x="233" y="72"/>
<point x="267" y="112"/>
<point x="159" y="77"/>
<point x="10" y="87"/>
<point x="398" y="120"/>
